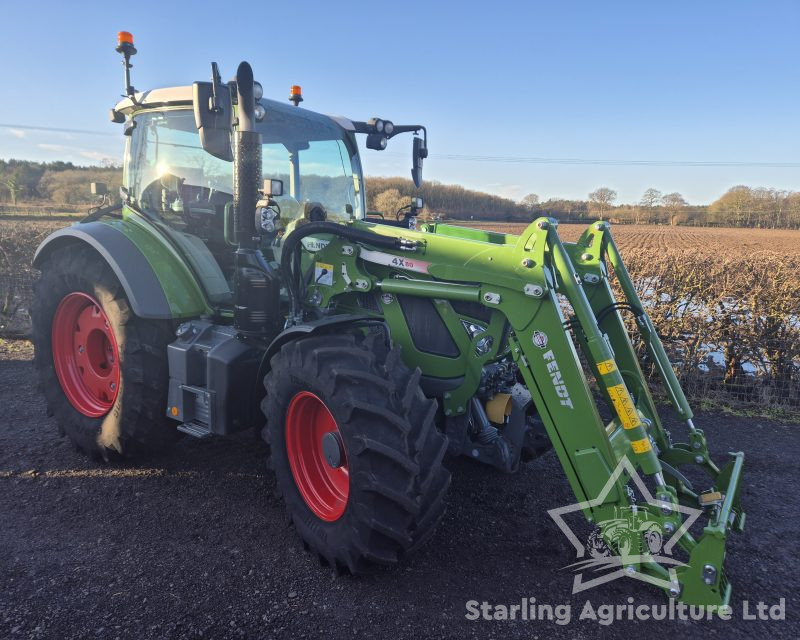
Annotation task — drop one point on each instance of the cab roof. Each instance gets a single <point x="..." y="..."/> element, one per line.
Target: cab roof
<point x="182" y="96"/>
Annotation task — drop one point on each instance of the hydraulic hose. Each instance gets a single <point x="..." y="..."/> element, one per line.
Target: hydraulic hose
<point x="291" y="250"/>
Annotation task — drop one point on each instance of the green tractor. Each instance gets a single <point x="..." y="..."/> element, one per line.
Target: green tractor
<point x="241" y="284"/>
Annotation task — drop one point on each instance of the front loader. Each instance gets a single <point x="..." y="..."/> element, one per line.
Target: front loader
<point x="241" y="284"/>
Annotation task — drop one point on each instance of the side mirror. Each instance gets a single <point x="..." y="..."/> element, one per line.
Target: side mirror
<point x="212" y="116"/>
<point x="418" y="154"/>
<point x="273" y="188"/>
<point x="99" y="189"/>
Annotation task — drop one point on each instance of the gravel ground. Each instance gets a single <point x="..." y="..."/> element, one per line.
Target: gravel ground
<point x="196" y="545"/>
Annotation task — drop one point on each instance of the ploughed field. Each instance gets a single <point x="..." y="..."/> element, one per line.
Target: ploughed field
<point x="724" y="241"/>
<point x="662" y="237"/>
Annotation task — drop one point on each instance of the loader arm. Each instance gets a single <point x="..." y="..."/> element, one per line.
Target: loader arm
<point x="522" y="280"/>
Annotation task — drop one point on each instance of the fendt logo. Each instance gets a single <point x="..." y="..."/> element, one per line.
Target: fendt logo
<point x="555" y="376"/>
<point x="539" y="339"/>
<point x="637" y="538"/>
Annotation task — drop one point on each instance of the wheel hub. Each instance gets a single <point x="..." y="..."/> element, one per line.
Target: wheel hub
<point x="85" y="354"/>
<point x="332" y="449"/>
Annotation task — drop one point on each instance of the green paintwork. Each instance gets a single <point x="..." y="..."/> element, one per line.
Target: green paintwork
<point x="520" y="282"/>
<point x="520" y="279"/>
<point x="185" y="297"/>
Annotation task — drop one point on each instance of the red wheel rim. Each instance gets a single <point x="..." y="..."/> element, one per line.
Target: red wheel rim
<point x="324" y="488"/>
<point x="85" y="354"/>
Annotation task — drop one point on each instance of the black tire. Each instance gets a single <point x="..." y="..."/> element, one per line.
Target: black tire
<point x="394" y="450"/>
<point x="136" y="422"/>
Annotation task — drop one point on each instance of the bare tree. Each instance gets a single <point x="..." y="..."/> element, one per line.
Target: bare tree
<point x="675" y="204"/>
<point x="780" y="198"/>
<point x="650" y="199"/>
<point x="389" y="202"/>
<point x="733" y="207"/>
<point x="602" y="199"/>
<point x="531" y="201"/>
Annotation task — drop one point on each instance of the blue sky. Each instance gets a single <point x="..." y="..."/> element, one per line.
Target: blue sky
<point x="646" y="80"/>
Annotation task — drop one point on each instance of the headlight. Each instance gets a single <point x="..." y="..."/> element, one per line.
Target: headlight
<point x="388" y="127"/>
<point x="258" y="91"/>
<point x="260" y="112"/>
<point x="376" y="141"/>
<point x="377" y="124"/>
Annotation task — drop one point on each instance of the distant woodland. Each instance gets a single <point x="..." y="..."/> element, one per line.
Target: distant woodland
<point x="63" y="184"/>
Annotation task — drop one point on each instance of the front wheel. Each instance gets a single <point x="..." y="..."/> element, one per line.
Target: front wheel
<point x="354" y="447"/>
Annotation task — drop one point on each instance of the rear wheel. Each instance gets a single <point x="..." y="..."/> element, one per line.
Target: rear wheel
<point x="103" y="370"/>
<point x="356" y="453"/>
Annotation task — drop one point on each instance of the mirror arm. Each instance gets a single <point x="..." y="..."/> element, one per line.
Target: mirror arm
<point x="361" y="127"/>
<point x="405" y="128"/>
<point x="365" y="127"/>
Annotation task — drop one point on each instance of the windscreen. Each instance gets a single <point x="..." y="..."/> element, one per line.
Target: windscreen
<point x="170" y="175"/>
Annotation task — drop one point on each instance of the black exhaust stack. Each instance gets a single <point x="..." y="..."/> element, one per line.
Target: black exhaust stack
<point x="256" y="285"/>
<point x="246" y="160"/>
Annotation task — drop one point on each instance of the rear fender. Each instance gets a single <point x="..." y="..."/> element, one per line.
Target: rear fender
<point x="156" y="281"/>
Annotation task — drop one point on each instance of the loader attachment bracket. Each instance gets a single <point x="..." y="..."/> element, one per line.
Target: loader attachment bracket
<point x="635" y="439"/>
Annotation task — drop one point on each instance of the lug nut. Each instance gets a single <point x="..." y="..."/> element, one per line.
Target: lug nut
<point x="699" y="459"/>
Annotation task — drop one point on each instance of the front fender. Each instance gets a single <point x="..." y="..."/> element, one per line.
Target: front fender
<point x="156" y="282"/>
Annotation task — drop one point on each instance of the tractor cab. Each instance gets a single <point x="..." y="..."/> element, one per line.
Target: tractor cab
<point x="179" y="175"/>
<point x="170" y="178"/>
